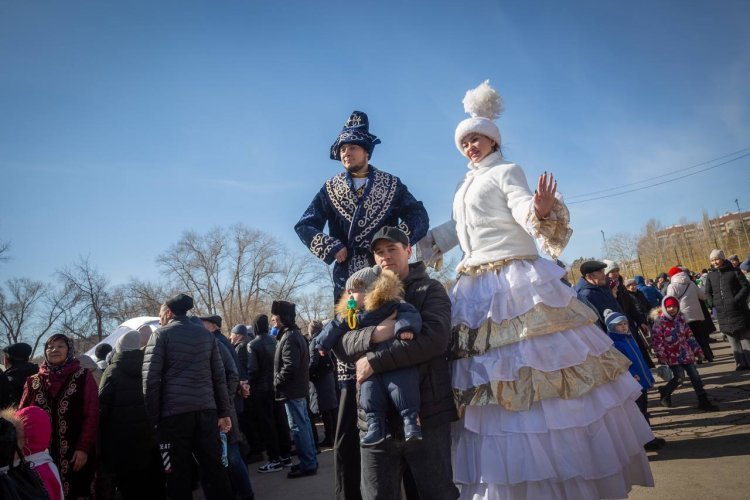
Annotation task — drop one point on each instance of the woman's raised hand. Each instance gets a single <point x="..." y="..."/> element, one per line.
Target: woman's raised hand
<point x="544" y="197"/>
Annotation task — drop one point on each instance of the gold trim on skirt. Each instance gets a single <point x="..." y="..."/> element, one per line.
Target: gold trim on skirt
<point x="492" y="266"/>
<point x="539" y="320"/>
<point x="534" y="385"/>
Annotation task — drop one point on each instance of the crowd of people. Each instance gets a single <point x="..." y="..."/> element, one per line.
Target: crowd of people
<point x="513" y="384"/>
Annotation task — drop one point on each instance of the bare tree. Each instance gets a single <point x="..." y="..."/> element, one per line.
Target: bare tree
<point x="32" y="309"/>
<point x="235" y="272"/>
<point x="17" y="309"/>
<point x="623" y="248"/>
<point x="137" y="298"/>
<point x="4" y="248"/>
<point x="92" y="315"/>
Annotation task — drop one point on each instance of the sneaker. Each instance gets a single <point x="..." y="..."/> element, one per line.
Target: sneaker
<point x="270" y="466"/>
<point x="285" y="461"/>
<point x="297" y="473"/>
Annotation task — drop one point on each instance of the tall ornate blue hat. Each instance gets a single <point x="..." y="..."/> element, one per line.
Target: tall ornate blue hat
<point x="356" y="131"/>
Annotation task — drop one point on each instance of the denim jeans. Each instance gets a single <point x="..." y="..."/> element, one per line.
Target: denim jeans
<point x="299" y="424"/>
<point x="679" y="374"/>
<point x="238" y="474"/>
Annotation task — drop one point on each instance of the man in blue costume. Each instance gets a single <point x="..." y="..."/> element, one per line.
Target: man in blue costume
<point x="355" y="204"/>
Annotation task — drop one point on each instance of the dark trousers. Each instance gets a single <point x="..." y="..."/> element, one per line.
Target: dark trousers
<point x="273" y="424"/>
<point x="679" y="374"/>
<point x="642" y="403"/>
<point x="250" y="427"/>
<point x="401" y="387"/>
<point x="329" y="424"/>
<point x="699" y="332"/>
<point x="346" y="446"/>
<point x="192" y="434"/>
<point x="428" y="462"/>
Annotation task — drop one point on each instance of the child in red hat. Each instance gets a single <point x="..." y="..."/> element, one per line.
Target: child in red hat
<point x="676" y="347"/>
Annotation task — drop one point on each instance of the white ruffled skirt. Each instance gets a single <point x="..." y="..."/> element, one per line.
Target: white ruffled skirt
<point x="548" y="406"/>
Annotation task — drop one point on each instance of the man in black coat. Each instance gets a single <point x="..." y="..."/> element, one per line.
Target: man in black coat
<point x="186" y="397"/>
<point x="291" y="384"/>
<point x="728" y="290"/>
<point x="271" y="414"/>
<point x="18" y="369"/>
<point x="424" y="466"/>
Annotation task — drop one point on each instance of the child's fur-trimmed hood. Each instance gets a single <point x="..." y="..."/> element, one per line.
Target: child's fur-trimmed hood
<point x="386" y="288"/>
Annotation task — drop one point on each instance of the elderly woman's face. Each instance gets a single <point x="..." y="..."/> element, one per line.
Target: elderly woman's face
<point x="57" y="352"/>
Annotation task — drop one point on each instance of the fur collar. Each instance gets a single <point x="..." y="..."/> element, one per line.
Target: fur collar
<point x="387" y="288"/>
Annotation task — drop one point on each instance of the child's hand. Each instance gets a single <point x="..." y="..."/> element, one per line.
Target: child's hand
<point x="406" y="335"/>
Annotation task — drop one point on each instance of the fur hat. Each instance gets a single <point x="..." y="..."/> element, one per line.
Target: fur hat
<point x="287" y="311"/>
<point x="363" y="279"/>
<point x="611" y="266"/>
<point x="484" y="105"/>
<point x="131" y="341"/>
<point x="716" y="254"/>
<point x="102" y="350"/>
<point x="356" y="131"/>
<point x="629" y="282"/>
<point x="180" y="304"/>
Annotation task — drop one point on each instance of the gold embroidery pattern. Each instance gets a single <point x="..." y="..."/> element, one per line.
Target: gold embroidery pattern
<point x="322" y="244"/>
<point x="492" y="266"/>
<point x="341" y="196"/>
<point x="554" y="231"/>
<point x="534" y="385"/>
<point x="539" y="320"/>
<point x="375" y="206"/>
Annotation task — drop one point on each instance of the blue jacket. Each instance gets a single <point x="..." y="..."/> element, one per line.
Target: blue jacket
<point x="353" y="221"/>
<point x="652" y="294"/>
<point x="625" y="343"/>
<point x="600" y="298"/>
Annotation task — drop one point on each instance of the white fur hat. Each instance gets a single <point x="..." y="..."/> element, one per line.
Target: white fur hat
<point x="484" y="105"/>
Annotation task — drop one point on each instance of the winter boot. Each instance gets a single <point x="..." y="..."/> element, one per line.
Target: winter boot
<point x="706" y="405"/>
<point x="664" y="398"/>
<point x="412" y="429"/>
<point x="375" y="430"/>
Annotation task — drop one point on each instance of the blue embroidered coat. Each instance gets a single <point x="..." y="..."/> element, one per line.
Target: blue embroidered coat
<point x="353" y="220"/>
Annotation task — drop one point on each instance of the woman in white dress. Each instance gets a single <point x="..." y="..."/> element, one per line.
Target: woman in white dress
<point x="547" y="403"/>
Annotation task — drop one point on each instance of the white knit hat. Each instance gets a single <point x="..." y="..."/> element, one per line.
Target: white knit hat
<point x="484" y="105"/>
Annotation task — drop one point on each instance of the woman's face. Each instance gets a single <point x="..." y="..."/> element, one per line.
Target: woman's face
<point x="477" y="146"/>
<point x="57" y="352"/>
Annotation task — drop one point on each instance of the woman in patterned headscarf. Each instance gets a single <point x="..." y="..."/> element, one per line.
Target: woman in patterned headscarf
<point x="68" y="393"/>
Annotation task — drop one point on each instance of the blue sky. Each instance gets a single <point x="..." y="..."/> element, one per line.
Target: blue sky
<point x="122" y="124"/>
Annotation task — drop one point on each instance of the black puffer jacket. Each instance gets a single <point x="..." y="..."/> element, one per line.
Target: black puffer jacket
<point x="17" y="375"/>
<point x="728" y="289"/>
<point x="126" y="435"/>
<point x="291" y="365"/>
<point x="260" y="353"/>
<point x="428" y="351"/>
<point x="183" y="371"/>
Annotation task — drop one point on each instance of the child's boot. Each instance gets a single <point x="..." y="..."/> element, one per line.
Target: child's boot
<point x="706" y="405"/>
<point x="664" y="398"/>
<point x="412" y="429"/>
<point x="375" y="430"/>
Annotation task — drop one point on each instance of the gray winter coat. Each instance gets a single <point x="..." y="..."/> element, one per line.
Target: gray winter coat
<point x="183" y="371"/>
<point x="291" y="364"/>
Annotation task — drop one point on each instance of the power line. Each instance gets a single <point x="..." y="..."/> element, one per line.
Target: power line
<point x="659" y="183"/>
<point x="658" y="176"/>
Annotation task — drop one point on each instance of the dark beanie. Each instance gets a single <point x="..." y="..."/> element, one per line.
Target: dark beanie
<point x="180" y="304"/>
<point x="18" y="352"/>
<point x="260" y="324"/>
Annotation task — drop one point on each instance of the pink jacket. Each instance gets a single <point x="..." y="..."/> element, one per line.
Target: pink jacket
<point x="673" y="341"/>
<point x="37" y="430"/>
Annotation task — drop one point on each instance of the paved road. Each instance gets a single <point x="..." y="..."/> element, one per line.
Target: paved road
<point x="707" y="455"/>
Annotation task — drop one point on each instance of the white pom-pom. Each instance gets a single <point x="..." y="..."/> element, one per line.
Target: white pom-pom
<point x="483" y="101"/>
